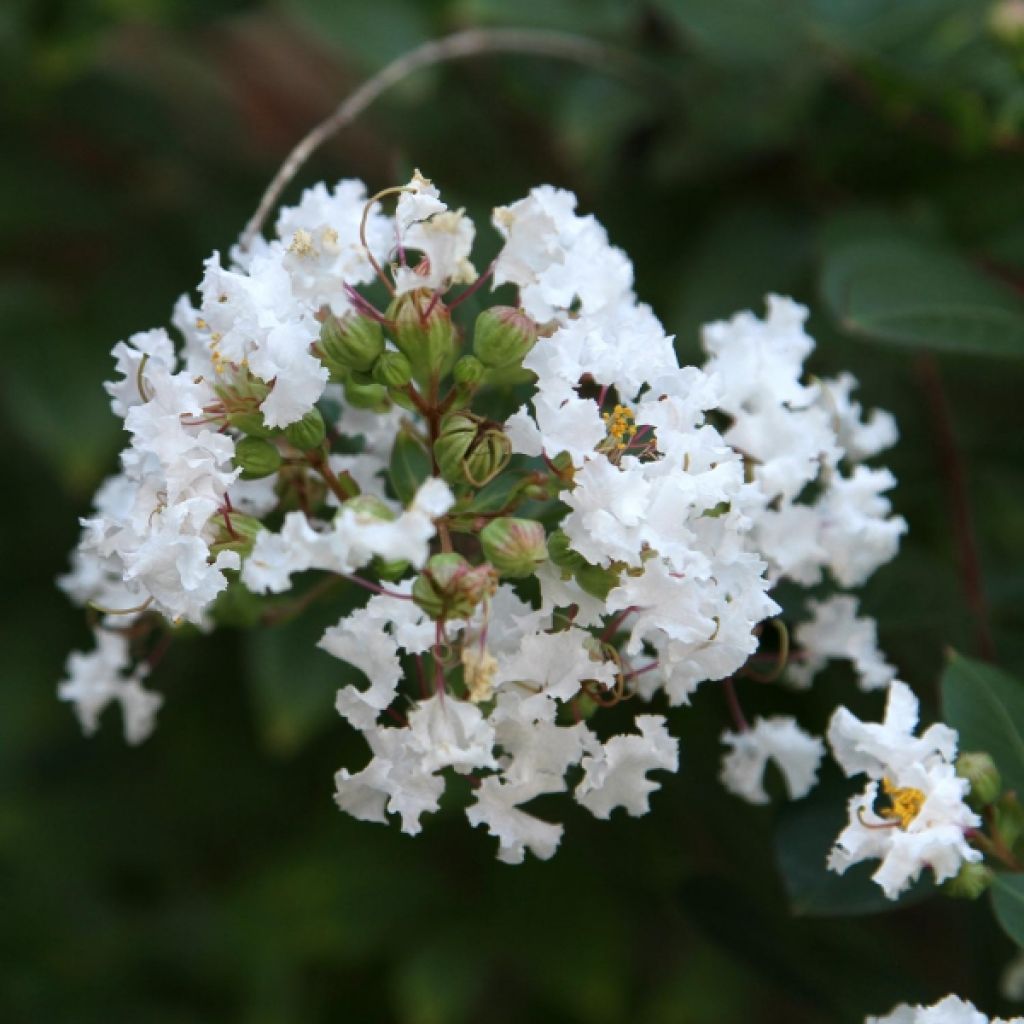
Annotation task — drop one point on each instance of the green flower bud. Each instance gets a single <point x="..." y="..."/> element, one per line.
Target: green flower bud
<point x="981" y="772"/>
<point x="1009" y="819"/>
<point x="471" y="450"/>
<point x="450" y="588"/>
<point x="256" y="458"/>
<point x="235" y="532"/>
<point x="392" y="370"/>
<point x="970" y="882"/>
<point x="366" y="396"/>
<point x="309" y="432"/>
<point x="424" y="333"/>
<point x="351" y="342"/>
<point x="369" y="506"/>
<point x="561" y="554"/>
<point x="502" y="336"/>
<point x="468" y="371"/>
<point x="250" y="423"/>
<point x="515" y="547"/>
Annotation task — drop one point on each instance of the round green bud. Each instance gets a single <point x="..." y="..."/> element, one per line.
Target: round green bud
<point x="471" y="450"/>
<point x="256" y="458"/>
<point x="392" y="370"/>
<point x="367" y="507"/>
<point x="468" y="371"/>
<point x="235" y="532"/>
<point x="515" y="547"/>
<point x="502" y="336"/>
<point x="366" y="396"/>
<point x="970" y="882"/>
<point x="350" y="342"/>
<point x="450" y="588"/>
<point x="423" y="332"/>
<point x="981" y="772"/>
<point x="309" y="432"/>
<point x="250" y="423"/>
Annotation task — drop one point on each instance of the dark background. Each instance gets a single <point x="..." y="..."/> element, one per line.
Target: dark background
<point x="207" y="876"/>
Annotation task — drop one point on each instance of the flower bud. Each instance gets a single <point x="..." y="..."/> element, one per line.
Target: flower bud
<point x="502" y="336"/>
<point x="256" y="458"/>
<point x="424" y="333"/>
<point x="981" y="772"/>
<point x="309" y="432"/>
<point x="350" y="342"/>
<point x="970" y="882"/>
<point x="471" y="450"/>
<point x="235" y="532"/>
<point x="515" y="547"/>
<point x="366" y="396"/>
<point x="368" y="507"/>
<point x="392" y="370"/>
<point x="250" y="423"/>
<point x="468" y="371"/>
<point x="450" y="588"/>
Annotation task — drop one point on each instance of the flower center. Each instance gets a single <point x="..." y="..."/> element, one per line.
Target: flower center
<point x="906" y="803"/>
<point x="620" y="425"/>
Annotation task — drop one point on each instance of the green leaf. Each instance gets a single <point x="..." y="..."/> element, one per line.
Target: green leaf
<point x="1008" y="904"/>
<point x="293" y="682"/>
<point x="410" y="466"/>
<point x="919" y="293"/>
<point x="986" y="706"/>
<point x="804" y="835"/>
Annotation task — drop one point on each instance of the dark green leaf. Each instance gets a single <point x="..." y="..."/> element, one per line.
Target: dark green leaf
<point x="1008" y="904"/>
<point x="292" y="681"/>
<point x="986" y="706"/>
<point x="410" y="466"/>
<point x="920" y="294"/>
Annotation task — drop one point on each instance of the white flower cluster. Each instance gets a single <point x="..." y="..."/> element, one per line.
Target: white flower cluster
<point x="673" y="499"/>
<point x="951" y="1010"/>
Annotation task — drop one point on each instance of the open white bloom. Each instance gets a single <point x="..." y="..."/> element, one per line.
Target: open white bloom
<point x="836" y="631"/>
<point x="102" y="677"/>
<point x="951" y="1010"/>
<point x="795" y="753"/>
<point x="923" y="819"/>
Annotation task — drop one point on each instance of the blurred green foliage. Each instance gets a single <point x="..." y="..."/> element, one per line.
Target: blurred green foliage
<point x="863" y="155"/>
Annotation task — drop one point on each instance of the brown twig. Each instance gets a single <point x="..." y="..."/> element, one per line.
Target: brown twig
<point x="469" y="43"/>
<point x="954" y="470"/>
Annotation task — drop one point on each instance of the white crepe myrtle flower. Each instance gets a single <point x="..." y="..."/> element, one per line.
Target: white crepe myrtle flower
<point x="922" y="819"/>
<point x="780" y="740"/>
<point x="296" y="440"/>
<point x="950" y="1010"/>
<point x="103" y="676"/>
<point x="836" y="631"/>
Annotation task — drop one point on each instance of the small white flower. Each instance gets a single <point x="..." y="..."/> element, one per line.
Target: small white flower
<point x="796" y="754"/>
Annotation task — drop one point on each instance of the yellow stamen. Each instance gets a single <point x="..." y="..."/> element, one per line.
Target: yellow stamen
<point x="620" y="425"/>
<point x="906" y="803"/>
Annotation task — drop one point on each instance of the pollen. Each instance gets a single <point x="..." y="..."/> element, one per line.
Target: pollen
<point x="906" y="803"/>
<point x="620" y="425"/>
<point x="302" y="243"/>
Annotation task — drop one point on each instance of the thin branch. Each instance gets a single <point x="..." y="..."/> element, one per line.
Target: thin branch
<point x="469" y="43"/>
<point x="955" y="472"/>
